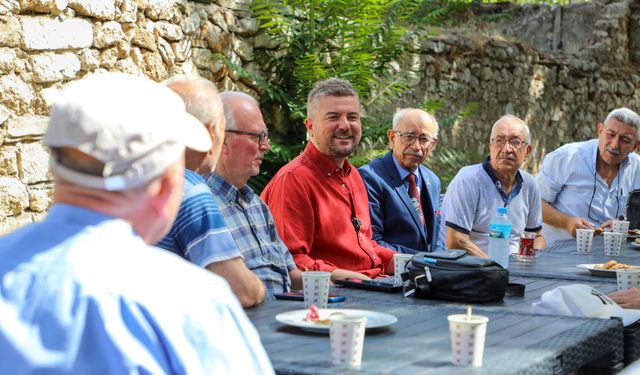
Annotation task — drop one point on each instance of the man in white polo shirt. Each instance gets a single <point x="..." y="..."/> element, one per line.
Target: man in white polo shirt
<point x="478" y="190"/>
<point x="585" y="184"/>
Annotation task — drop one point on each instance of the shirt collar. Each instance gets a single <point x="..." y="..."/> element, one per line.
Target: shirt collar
<point x="228" y="191"/>
<point x="496" y="182"/>
<point x="403" y="172"/>
<point x="326" y="165"/>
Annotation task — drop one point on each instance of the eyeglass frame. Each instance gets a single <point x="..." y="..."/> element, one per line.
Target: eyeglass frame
<point x="593" y="194"/>
<point x="522" y="143"/>
<point x="262" y="136"/>
<point x="432" y="140"/>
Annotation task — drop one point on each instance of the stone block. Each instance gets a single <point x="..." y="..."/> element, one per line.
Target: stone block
<point x="51" y="67"/>
<point x="9" y="6"/>
<point x="243" y="5"/>
<point x="10" y="224"/>
<point x="190" y="23"/>
<point x="40" y="197"/>
<point x="4" y="114"/>
<point x="89" y="60"/>
<point x="266" y="41"/>
<point x="13" y="196"/>
<point x="10" y="32"/>
<point x="16" y="94"/>
<point x="108" y="57"/>
<point x="46" y="6"/>
<point x="27" y="126"/>
<point x="159" y="9"/>
<point x="8" y="59"/>
<point x="215" y="15"/>
<point x="169" y="31"/>
<point x="100" y="9"/>
<point x="107" y="34"/>
<point x="243" y="49"/>
<point x="127" y="11"/>
<point x="166" y="52"/>
<point x="33" y="163"/>
<point x="181" y="50"/>
<point x="143" y="38"/>
<point x="47" y="34"/>
<point x="246" y="26"/>
<point x="8" y="161"/>
<point x="128" y="66"/>
<point x="153" y="66"/>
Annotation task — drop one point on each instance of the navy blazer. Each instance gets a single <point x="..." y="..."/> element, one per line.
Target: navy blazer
<point x="395" y="222"/>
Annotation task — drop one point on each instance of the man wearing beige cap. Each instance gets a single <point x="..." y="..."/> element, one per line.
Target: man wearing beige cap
<point x="82" y="292"/>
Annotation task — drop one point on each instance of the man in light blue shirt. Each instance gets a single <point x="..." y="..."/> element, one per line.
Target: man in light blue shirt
<point x="83" y="292"/>
<point x="585" y="184"/>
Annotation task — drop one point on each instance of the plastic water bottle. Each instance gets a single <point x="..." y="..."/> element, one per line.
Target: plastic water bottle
<point x="499" y="237"/>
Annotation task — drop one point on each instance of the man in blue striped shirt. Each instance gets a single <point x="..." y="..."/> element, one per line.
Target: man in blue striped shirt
<point x="199" y="233"/>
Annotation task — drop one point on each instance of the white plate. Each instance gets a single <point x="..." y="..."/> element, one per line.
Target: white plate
<point x="635" y="244"/>
<point x="296" y="318"/>
<point x="597" y="271"/>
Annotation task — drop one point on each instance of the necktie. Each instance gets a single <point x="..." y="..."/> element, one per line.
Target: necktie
<point x="415" y="196"/>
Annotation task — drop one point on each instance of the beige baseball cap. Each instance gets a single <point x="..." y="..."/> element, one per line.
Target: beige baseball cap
<point x="136" y="127"/>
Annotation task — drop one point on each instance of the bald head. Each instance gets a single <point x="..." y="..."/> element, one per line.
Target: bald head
<point x="202" y="100"/>
<point x="512" y="120"/>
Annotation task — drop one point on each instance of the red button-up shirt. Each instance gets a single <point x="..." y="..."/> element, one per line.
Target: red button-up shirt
<point x="312" y="202"/>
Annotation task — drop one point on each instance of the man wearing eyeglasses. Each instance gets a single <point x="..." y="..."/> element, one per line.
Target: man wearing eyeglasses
<point x="585" y="184"/>
<point x="404" y="195"/>
<point x="199" y="233"/>
<point x="247" y="216"/>
<point x="319" y="200"/>
<point x="476" y="192"/>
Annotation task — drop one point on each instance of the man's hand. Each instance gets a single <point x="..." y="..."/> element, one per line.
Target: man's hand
<point x="606" y="225"/>
<point x="341" y="274"/>
<point x="574" y="223"/>
<point x="628" y="298"/>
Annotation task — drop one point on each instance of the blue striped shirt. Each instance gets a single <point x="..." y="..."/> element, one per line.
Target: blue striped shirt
<point x="252" y="226"/>
<point x="199" y="233"/>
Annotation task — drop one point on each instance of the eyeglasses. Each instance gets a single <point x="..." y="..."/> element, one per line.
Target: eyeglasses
<point x="408" y="139"/>
<point x="593" y="194"/>
<point x="259" y="136"/>
<point x="514" y="142"/>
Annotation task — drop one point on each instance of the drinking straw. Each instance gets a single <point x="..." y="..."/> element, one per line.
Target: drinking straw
<point x="469" y="312"/>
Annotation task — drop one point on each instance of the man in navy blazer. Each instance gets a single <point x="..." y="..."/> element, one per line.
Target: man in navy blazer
<point x="405" y="214"/>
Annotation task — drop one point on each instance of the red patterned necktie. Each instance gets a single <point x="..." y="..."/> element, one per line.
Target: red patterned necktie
<point x="415" y="196"/>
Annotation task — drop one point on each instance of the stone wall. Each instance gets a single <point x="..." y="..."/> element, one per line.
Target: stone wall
<point x="47" y="43"/>
<point x="561" y="69"/>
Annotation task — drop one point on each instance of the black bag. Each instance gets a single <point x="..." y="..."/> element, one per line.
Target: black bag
<point x="633" y="209"/>
<point x="454" y="276"/>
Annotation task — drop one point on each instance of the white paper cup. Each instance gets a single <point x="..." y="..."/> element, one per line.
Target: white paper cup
<point x="584" y="240"/>
<point x="347" y="340"/>
<point x="316" y="288"/>
<point x="399" y="263"/>
<point x="620" y="226"/>
<point x="628" y="279"/>
<point x="467" y="339"/>
<point x="612" y="243"/>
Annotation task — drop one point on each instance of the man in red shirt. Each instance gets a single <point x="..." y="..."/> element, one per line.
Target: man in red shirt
<point x="319" y="201"/>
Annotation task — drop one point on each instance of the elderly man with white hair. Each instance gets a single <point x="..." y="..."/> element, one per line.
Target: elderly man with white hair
<point x="83" y="291"/>
<point x="585" y="184"/>
<point x="404" y="195"/>
<point x="476" y="192"/>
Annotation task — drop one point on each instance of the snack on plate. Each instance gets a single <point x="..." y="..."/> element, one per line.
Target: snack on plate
<point x="637" y="240"/>
<point x="314" y="316"/>
<point x="613" y="265"/>
<point x="633" y="231"/>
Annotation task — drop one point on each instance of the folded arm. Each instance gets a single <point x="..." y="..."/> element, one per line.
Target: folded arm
<point x="245" y="284"/>
<point x="459" y="240"/>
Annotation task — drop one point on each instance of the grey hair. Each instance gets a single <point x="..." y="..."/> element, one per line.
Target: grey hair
<point x="329" y="87"/>
<point x="625" y="116"/>
<point x="400" y="112"/>
<point x="200" y="96"/>
<point x="229" y="96"/>
<point x="527" y="133"/>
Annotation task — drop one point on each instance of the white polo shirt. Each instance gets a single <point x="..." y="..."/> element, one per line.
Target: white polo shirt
<point x="474" y="195"/>
<point x="569" y="182"/>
